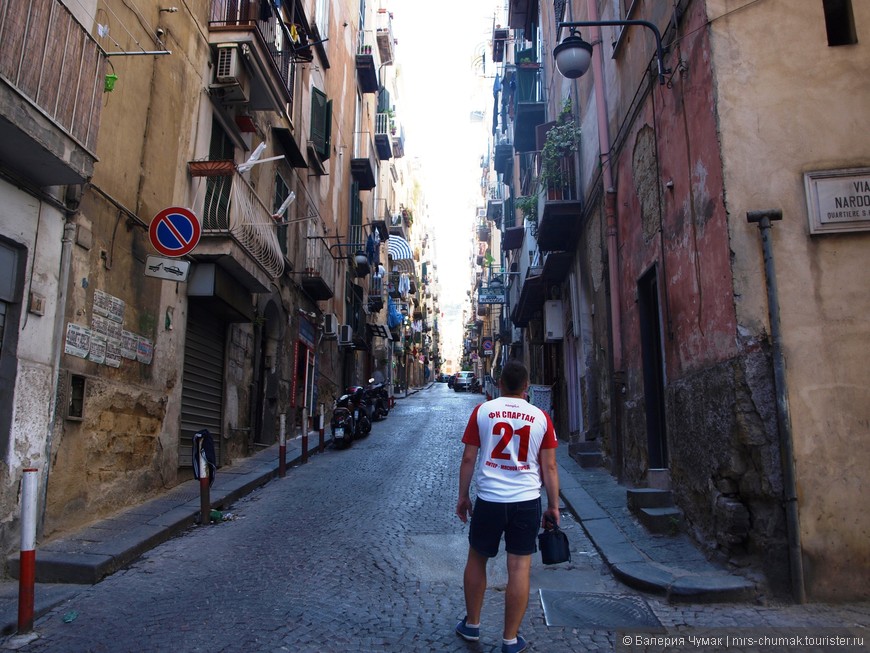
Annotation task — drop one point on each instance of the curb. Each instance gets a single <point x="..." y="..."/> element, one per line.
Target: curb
<point x="627" y="561"/>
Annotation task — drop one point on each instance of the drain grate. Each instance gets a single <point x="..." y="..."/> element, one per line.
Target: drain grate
<point x="596" y="611"/>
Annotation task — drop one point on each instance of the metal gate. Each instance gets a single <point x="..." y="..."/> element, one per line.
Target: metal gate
<point x="202" y="382"/>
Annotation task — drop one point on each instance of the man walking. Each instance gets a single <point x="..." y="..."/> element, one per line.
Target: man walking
<point x="512" y="444"/>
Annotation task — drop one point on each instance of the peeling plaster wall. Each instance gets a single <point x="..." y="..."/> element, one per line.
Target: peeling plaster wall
<point x="38" y="229"/>
<point x="780" y="118"/>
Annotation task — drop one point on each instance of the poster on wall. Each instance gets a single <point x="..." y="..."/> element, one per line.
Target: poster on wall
<point x="78" y="340"/>
<point x="129" y="344"/>
<point x="144" y="351"/>
<point x="105" y="305"/>
<point x="97" y="353"/>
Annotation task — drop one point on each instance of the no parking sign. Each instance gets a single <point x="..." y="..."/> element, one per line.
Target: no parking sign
<point x="175" y="231"/>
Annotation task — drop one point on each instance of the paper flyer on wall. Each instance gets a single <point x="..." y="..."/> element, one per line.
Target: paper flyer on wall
<point x="97" y="354"/>
<point x="129" y="344"/>
<point x="78" y="340"/>
<point x="108" y="306"/>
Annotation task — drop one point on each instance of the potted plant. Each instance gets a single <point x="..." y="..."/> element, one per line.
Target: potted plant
<point x="563" y="139"/>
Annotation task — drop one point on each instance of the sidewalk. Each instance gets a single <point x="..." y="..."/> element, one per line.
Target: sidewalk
<point x="670" y="566"/>
<point x="667" y="565"/>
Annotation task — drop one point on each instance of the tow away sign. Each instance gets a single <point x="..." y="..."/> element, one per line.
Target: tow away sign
<point x="166" y="268"/>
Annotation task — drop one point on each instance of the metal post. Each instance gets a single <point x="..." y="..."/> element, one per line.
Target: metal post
<point x="783" y="420"/>
<point x="282" y="446"/>
<point x="204" y="491"/>
<point x="322" y="444"/>
<point x="27" y="559"/>
<point x="304" y="435"/>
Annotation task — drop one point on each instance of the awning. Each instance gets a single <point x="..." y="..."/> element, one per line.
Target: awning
<point x="513" y="238"/>
<point x="398" y="248"/>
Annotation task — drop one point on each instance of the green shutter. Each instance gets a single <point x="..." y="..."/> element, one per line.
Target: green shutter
<point x="321" y="110"/>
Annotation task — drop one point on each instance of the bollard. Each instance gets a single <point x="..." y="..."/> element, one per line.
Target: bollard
<point x="322" y="443"/>
<point x="204" y="496"/>
<point x="27" y="559"/>
<point x="282" y="446"/>
<point x="304" y="435"/>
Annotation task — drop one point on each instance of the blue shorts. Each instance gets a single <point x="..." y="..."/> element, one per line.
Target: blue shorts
<point x="519" y="522"/>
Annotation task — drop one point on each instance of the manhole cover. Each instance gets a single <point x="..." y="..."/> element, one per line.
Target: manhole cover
<point x="596" y="611"/>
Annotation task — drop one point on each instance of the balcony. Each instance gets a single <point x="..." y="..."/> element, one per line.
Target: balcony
<point x="255" y="65"/>
<point x="49" y="105"/>
<point x="399" y="143"/>
<point x="385" y="37"/>
<point x="559" y="224"/>
<point x="531" y="110"/>
<point x="364" y="164"/>
<point x="238" y="233"/>
<point x="503" y="157"/>
<point x="521" y="14"/>
<point x="368" y="62"/>
<point x="499" y="39"/>
<point x="376" y="298"/>
<point x="318" y="271"/>
<point x="385" y="127"/>
<point x="532" y="296"/>
<point x="398" y="226"/>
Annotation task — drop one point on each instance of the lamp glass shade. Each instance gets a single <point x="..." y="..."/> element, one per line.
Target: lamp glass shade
<point x="573" y="56"/>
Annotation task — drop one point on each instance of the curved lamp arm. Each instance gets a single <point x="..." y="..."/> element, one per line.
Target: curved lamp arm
<point x="660" y="53"/>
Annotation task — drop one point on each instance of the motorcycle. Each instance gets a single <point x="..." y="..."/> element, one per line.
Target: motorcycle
<point x="361" y="411"/>
<point x="476" y="387"/>
<point x="379" y="399"/>
<point x="342" y="423"/>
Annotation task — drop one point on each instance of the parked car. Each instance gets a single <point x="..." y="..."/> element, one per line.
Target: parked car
<point x="463" y="381"/>
<point x="451" y="380"/>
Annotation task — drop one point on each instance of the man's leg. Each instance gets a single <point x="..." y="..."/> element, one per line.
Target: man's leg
<point x="474" y="584"/>
<point x="517" y="594"/>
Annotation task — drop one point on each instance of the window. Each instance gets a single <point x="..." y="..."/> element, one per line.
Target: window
<point x="321" y="123"/>
<point x="321" y="18"/>
<point x="840" y="22"/>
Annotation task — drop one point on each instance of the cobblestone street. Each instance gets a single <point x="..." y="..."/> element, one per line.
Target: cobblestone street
<point x="359" y="550"/>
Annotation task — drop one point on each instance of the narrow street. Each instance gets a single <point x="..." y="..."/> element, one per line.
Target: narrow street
<point x="359" y="550"/>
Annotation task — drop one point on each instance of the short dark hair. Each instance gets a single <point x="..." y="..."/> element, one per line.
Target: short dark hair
<point x="514" y="377"/>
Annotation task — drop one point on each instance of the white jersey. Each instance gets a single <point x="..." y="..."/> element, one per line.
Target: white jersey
<point x="510" y="433"/>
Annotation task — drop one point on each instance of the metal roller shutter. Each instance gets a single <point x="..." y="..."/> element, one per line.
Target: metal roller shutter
<point x="202" y="382"/>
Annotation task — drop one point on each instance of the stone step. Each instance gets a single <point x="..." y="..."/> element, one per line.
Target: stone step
<point x="647" y="497"/>
<point x="663" y="521"/>
<point x="590" y="459"/>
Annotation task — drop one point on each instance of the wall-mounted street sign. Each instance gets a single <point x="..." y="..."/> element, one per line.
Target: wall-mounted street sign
<point x="491" y="296"/>
<point x="166" y="268"/>
<point x="838" y="200"/>
<point x="174" y="231"/>
<point x="487" y="346"/>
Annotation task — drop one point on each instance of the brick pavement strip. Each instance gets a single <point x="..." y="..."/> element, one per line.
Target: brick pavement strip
<point x="358" y="550"/>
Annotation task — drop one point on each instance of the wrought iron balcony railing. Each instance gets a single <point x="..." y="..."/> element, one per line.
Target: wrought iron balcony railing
<point x="232" y="209"/>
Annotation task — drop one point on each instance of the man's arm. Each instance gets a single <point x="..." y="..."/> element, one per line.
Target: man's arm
<point x="550" y="478"/>
<point x="466" y="471"/>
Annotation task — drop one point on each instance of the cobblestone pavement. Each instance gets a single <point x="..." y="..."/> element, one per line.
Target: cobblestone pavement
<point x="359" y="550"/>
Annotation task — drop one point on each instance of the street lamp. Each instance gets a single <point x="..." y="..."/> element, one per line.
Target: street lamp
<point x="573" y="55"/>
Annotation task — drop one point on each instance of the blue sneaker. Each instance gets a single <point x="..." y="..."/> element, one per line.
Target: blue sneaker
<point x="515" y="648"/>
<point x="466" y="633"/>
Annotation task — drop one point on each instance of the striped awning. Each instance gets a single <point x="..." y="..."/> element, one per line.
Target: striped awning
<point x="398" y="248"/>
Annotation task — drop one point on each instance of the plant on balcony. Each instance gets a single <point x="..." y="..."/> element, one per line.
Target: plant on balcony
<point x="528" y="206"/>
<point x="563" y="139"/>
<point x="407" y="217"/>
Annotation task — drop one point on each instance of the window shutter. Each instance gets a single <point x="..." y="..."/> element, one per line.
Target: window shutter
<point x="320" y="120"/>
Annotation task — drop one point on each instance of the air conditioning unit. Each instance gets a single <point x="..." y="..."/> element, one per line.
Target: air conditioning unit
<point x="345" y="335"/>
<point x="228" y="66"/>
<point x="554" y="320"/>
<point x="330" y="326"/>
<point x="231" y="84"/>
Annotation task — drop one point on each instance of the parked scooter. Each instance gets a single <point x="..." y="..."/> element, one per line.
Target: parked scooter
<point x="361" y="411"/>
<point x="379" y="399"/>
<point x="342" y="423"/>
<point x="476" y="387"/>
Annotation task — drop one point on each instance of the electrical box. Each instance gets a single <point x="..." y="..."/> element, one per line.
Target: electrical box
<point x="554" y="320"/>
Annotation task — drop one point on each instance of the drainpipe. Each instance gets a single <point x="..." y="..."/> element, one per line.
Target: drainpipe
<point x="783" y="420"/>
<point x="611" y="233"/>
<point x="69" y="234"/>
